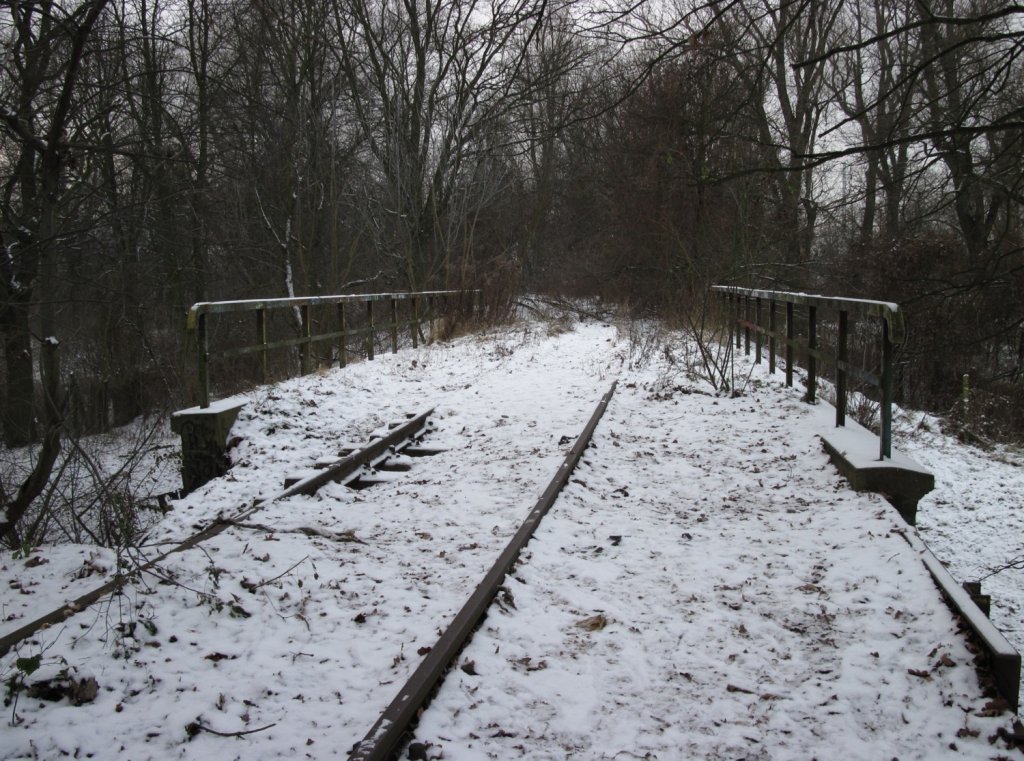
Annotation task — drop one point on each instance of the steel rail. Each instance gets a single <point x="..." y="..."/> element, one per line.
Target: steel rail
<point x="335" y="472"/>
<point x="390" y="729"/>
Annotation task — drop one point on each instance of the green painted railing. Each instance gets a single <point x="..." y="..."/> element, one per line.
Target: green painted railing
<point x="420" y="307"/>
<point x="750" y="307"/>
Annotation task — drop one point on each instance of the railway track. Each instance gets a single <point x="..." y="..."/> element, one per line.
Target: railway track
<point x="391" y="731"/>
<point x="401" y="438"/>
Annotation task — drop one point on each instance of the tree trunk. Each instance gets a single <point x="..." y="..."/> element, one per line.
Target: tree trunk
<point x="53" y="410"/>
<point x="18" y="403"/>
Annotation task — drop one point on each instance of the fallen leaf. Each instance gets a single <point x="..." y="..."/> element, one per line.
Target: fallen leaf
<point x="734" y="688"/>
<point x="593" y="623"/>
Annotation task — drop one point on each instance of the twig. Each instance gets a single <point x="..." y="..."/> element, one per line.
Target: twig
<point x="344" y="536"/>
<point x="194" y="728"/>
<point x="284" y="573"/>
<point x="1016" y="564"/>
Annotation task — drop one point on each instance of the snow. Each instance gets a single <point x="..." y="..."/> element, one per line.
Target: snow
<point x="974" y="520"/>
<point x="861" y="449"/>
<point x="707" y="586"/>
<point x="216" y="407"/>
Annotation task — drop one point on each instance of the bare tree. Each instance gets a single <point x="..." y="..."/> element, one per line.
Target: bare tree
<point x="796" y="100"/>
<point x="429" y="82"/>
<point x="39" y="86"/>
<point x="873" y="90"/>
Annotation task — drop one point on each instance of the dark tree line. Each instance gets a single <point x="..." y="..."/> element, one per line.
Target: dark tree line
<point x="154" y="153"/>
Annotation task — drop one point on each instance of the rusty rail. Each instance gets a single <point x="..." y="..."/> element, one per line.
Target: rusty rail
<point x="386" y="735"/>
<point x="337" y="472"/>
<point x="423" y="306"/>
<point x="750" y="307"/>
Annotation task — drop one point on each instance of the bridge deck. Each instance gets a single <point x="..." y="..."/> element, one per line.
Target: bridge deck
<point x="706" y="587"/>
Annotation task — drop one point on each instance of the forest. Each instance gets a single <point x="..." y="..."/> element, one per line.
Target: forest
<point x="158" y="153"/>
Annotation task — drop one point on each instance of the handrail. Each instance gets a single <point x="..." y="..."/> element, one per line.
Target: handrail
<point x="885" y="310"/>
<point x="251" y="305"/>
<point x="196" y="329"/>
<point x="893" y="333"/>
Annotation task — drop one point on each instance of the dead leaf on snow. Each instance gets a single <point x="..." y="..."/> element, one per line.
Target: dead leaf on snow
<point x="219" y="657"/>
<point x="593" y="623"/>
<point x="529" y="665"/>
<point x="734" y="688"/>
<point x="995" y="707"/>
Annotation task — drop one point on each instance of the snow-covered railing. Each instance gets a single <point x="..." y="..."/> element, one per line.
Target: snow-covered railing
<point x="420" y="307"/>
<point x="749" y="307"/>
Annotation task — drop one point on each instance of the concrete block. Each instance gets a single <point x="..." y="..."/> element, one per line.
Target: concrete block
<point x="901" y="480"/>
<point x="204" y="435"/>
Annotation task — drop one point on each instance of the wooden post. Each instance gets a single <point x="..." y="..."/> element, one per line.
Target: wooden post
<point x="307" y="341"/>
<point x="842" y="356"/>
<point x="431" y="315"/>
<point x="394" y="325"/>
<point x="771" y="337"/>
<point x="342" y="339"/>
<point x="746" y="326"/>
<point x="735" y="301"/>
<point x="758" y="337"/>
<point x="414" y="306"/>
<point x="261" y="339"/>
<point x="886" y="408"/>
<point x="790" y="333"/>
<point x="812" y="361"/>
<point x="202" y="358"/>
<point x="369" y="329"/>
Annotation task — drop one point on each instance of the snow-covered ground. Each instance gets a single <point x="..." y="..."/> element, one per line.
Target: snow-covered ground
<point x="706" y="587"/>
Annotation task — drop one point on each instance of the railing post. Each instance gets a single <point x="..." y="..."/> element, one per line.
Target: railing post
<point x="790" y="335"/>
<point x="202" y="359"/>
<point x="746" y="326"/>
<point x="431" y="316"/>
<point x="758" y="337"/>
<point x="261" y="339"/>
<point x="771" y="337"/>
<point x="394" y="325"/>
<point x="342" y="342"/>
<point x="414" y="306"/>
<point x="369" y="329"/>
<point x="735" y="303"/>
<point x="307" y="342"/>
<point x="842" y="355"/>
<point x="886" y="406"/>
<point x="812" y="361"/>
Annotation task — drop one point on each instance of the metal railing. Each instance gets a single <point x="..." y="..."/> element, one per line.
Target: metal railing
<point x="421" y="307"/>
<point x="750" y="308"/>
